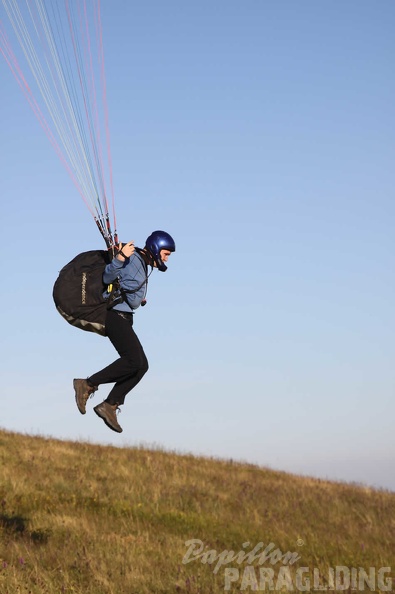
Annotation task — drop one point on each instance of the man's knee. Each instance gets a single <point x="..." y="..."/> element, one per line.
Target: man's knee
<point x="140" y="367"/>
<point x="144" y="367"/>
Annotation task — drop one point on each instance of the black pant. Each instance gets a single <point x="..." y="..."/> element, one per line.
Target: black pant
<point x="128" y="370"/>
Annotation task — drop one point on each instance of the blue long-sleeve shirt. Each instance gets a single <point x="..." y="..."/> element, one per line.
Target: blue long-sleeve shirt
<point x="131" y="274"/>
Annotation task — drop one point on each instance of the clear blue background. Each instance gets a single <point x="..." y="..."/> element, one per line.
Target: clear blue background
<point x="260" y="134"/>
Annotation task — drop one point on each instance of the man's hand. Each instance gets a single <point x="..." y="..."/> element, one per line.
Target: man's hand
<point x="125" y="250"/>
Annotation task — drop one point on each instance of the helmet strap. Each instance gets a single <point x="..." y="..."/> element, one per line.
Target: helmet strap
<point x="146" y="255"/>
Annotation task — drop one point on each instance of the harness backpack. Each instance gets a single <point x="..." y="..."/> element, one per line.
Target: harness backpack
<point x="79" y="288"/>
<point x="78" y="291"/>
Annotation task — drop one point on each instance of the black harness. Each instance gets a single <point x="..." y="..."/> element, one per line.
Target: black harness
<point x="119" y="295"/>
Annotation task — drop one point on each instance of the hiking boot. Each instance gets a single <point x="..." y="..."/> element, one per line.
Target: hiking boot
<point x="82" y="392"/>
<point x="108" y="412"/>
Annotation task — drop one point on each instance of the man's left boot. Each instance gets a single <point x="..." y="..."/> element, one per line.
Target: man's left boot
<point x="108" y="412"/>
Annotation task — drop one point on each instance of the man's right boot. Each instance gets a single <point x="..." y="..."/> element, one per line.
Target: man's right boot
<point x="82" y="392"/>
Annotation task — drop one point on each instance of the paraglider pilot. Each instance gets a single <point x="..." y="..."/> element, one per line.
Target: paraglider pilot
<point x="129" y="269"/>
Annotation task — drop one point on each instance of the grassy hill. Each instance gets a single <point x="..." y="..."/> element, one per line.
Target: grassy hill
<point x="88" y="519"/>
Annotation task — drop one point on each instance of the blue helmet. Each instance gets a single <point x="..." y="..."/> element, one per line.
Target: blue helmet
<point x="157" y="241"/>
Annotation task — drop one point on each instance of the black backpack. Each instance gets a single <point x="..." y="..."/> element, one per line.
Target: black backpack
<point x="78" y="291"/>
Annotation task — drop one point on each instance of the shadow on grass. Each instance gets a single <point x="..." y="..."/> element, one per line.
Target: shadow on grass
<point x="17" y="525"/>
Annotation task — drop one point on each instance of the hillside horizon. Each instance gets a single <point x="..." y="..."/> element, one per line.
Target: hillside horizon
<point x="243" y="461"/>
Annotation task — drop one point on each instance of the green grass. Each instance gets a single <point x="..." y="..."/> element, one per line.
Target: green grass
<point x="89" y="519"/>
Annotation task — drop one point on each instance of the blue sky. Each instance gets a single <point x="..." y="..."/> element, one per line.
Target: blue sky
<point x="261" y="136"/>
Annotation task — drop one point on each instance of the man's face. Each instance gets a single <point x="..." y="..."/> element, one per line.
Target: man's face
<point x="164" y="255"/>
